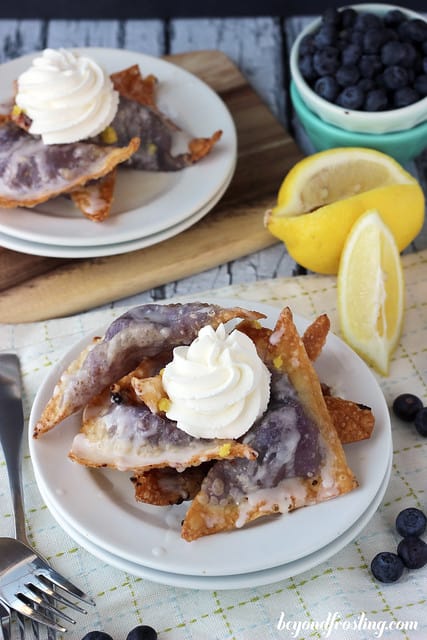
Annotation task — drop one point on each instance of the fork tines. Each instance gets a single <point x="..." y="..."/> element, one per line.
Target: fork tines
<point x="50" y="575"/>
<point x="38" y="595"/>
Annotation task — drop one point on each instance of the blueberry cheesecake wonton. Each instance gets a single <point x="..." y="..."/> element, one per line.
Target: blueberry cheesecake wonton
<point x="69" y="127"/>
<point x="231" y="418"/>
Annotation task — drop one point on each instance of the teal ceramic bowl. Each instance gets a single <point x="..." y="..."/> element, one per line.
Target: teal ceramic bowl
<point x="403" y="146"/>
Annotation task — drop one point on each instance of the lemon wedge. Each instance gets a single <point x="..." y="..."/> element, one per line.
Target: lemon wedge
<point x="324" y="194"/>
<point x="371" y="291"/>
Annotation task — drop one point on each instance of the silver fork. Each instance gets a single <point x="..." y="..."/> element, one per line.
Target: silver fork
<point x="4" y="622"/>
<point x="28" y="584"/>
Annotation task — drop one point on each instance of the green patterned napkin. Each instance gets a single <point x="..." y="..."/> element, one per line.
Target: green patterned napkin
<point x="338" y="599"/>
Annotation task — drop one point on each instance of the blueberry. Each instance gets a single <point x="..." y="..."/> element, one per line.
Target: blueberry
<point x="413" y="552"/>
<point x="403" y="31"/>
<point x="331" y="16"/>
<point x="97" y="635"/>
<point x="390" y="35"/>
<point x="413" y="31"/>
<point x="394" y="17"/>
<point x="345" y="38"/>
<point x="411" y="522"/>
<point x="142" y="632"/>
<point x="327" y="87"/>
<point x="365" y="21"/>
<point x="351" y="98"/>
<point x="366" y="84"/>
<point x="357" y="37"/>
<point x="348" y="17"/>
<point x="420" y="422"/>
<point x="305" y="65"/>
<point x="370" y="65"/>
<point x="326" y="61"/>
<point x="307" y="45"/>
<point x="387" y="566"/>
<point x="351" y="53"/>
<point x="380" y="62"/>
<point x="395" y="77"/>
<point x="406" y="406"/>
<point x="404" y="97"/>
<point x="326" y="36"/>
<point x="393" y="52"/>
<point x="376" y="100"/>
<point x="417" y="30"/>
<point x="410" y="57"/>
<point x="347" y="75"/>
<point x="373" y="40"/>
<point x="420" y="84"/>
<point x="411" y="77"/>
<point x="116" y="397"/>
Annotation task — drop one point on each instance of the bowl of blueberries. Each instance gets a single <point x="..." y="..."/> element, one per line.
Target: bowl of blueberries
<point x="359" y="78"/>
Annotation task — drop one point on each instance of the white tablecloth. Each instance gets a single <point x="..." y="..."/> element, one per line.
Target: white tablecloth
<point x="341" y="590"/>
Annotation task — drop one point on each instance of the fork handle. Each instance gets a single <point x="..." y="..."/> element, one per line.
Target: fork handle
<point x="11" y="435"/>
<point x="15" y="483"/>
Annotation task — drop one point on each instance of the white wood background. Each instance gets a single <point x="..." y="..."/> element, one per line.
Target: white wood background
<point x="259" y="46"/>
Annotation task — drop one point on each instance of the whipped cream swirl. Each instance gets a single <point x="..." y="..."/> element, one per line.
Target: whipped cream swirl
<point x="67" y="96"/>
<point x="218" y="386"/>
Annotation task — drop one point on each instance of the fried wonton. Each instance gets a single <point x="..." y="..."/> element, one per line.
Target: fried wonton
<point x="142" y="332"/>
<point x="300" y="458"/>
<point x="167" y="486"/>
<point x="5" y="110"/>
<point x="132" y="85"/>
<point x="32" y="172"/>
<point x="129" y="437"/>
<point x="85" y="170"/>
<point x="95" y="198"/>
<point x="157" y="139"/>
<point x="353" y="421"/>
<point x="315" y="335"/>
<point x="138" y="95"/>
<point x="149" y="391"/>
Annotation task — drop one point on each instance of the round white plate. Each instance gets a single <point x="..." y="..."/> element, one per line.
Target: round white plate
<point x="244" y="580"/>
<point x="145" y="202"/>
<point x="109" y="517"/>
<point x="60" y="251"/>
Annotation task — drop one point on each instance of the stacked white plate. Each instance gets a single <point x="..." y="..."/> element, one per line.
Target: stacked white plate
<point x="148" y="207"/>
<point x="145" y="540"/>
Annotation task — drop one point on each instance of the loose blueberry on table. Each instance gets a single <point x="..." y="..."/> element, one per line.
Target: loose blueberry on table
<point x="351" y="47"/>
<point x="409" y="407"/>
<point x="411" y="522"/>
<point x="406" y="406"/>
<point x="420" y="422"/>
<point x="387" y="566"/>
<point x="413" y="552"/>
<point x="142" y="632"/>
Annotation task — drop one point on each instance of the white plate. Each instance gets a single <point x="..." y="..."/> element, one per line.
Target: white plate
<point x="110" y="518"/>
<point x="60" y="251"/>
<point x="244" y="580"/>
<point x="145" y="202"/>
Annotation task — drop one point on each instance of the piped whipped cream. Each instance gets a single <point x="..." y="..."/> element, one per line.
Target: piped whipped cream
<point x="67" y="96"/>
<point x="218" y="386"/>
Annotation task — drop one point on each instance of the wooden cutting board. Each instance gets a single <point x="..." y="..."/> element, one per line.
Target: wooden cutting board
<point x="35" y="288"/>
